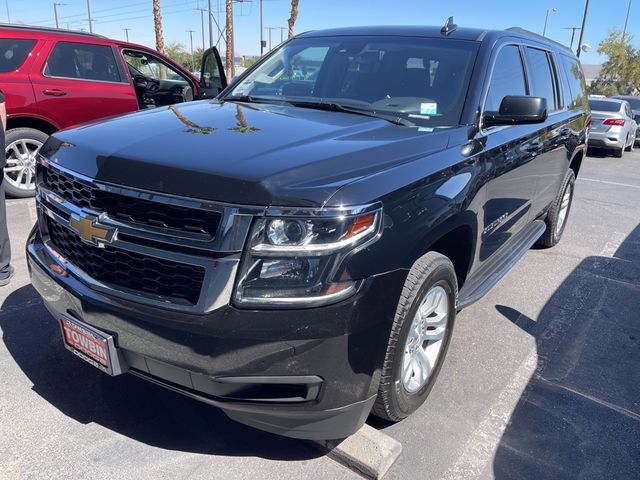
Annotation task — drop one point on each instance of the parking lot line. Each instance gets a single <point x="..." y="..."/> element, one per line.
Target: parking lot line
<point x="595" y="180"/>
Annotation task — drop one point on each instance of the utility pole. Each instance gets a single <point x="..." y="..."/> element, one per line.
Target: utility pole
<point x="270" y="29"/>
<point x="55" y="11"/>
<point x="261" y="31"/>
<point x="193" y="63"/>
<point x="584" y="23"/>
<point x="626" y="21"/>
<point x="6" y="4"/>
<point x="573" y="33"/>
<point x="282" y="29"/>
<point x="126" y="32"/>
<point x="210" y="27"/>
<point x="546" y="19"/>
<point x="202" y="10"/>
<point x="89" y="13"/>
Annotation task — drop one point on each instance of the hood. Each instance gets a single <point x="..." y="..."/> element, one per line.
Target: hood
<point x="239" y="153"/>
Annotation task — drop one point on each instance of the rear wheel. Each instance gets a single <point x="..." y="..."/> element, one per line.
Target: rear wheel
<point x="419" y="337"/>
<point x="21" y="146"/>
<point x="617" y="152"/>
<point x="630" y="146"/>
<point x="559" y="212"/>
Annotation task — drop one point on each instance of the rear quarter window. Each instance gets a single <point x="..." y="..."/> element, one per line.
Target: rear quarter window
<point x="13" y="52"/>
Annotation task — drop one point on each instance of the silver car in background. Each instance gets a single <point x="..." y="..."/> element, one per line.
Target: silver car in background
<point x="612" y="126"/>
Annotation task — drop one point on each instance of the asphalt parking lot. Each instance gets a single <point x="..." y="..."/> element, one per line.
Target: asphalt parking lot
<point x="542" y="379"/>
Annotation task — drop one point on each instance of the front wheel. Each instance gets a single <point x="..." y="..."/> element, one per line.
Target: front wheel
<point x="21" y="146"/>
<point x="419" y="337"/>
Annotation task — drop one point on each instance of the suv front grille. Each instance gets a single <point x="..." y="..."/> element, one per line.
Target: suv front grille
<point x="132" y="210"/>
<point x="129" y="270"/>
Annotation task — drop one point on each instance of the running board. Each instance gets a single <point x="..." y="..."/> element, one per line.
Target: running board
<point x="486" y="277"/>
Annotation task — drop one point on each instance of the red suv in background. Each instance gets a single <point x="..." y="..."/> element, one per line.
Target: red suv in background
<point x="54" y="79"/>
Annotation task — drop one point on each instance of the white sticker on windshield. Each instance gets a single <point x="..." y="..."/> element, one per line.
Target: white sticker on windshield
<point x="430" y="108"/>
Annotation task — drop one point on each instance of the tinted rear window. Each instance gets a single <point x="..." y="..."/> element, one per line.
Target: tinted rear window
<point x="604" y="106"/>
<point x="13" y="52"/>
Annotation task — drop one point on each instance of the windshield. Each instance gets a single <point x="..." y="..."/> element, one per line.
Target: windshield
<point x="423" y="80"/>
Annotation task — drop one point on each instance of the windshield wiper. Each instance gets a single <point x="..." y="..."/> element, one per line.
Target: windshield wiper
<point x="252" y="99"/>
<point x="338" y="107"/>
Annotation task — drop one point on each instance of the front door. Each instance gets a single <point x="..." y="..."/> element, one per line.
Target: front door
<point x="212" y="77"/>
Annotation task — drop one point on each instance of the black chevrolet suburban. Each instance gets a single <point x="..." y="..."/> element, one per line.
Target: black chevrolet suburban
<point x="294" y="250"/>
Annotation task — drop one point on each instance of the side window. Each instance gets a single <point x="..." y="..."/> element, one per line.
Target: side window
<point x="150" y="67"/>
<point x="83" y="61"/>
<point x="211" y="77"/>
<point x="542" y="80"/>
<point x="574" y="74"/>
<point x="13" y="52"/>
<point x="507" y="78"/>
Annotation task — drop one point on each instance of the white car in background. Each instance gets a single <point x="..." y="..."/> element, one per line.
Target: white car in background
<point x="613" y="126"/>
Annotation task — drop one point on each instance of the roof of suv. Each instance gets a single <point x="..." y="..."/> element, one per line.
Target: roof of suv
<point x="48" y="31"/>
<point x="472" y="34"/>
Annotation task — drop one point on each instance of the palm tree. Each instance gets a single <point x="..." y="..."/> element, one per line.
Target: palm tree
<point x="293" y="17"/>
<point x="157" y="21"/>
<point x="192" y="127"/>
<point x="228" y="61"/>
<point x="243" y="126"/>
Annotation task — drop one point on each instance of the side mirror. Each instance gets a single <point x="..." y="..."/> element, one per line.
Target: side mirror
<point x="517" y="110"/>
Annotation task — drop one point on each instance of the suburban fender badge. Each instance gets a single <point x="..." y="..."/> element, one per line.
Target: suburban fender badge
<point x="89" y="232"/>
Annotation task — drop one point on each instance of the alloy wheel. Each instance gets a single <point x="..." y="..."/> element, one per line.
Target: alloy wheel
<point x="21" y="163"/>
<point x="425" y="340"/>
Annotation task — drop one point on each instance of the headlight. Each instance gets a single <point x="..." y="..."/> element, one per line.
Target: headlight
<point x="293" y="260"/>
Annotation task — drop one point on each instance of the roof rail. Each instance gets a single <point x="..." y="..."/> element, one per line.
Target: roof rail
<point x="448" y="27"/>
<point x="49" y="30"/>
<point x="528" y="33"/>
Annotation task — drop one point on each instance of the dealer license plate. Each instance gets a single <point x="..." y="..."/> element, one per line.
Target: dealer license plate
<point x="90" y="344"/>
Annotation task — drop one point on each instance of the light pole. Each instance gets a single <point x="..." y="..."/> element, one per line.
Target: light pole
<point x="626" y="21"/>
<point x="89" y="13"/>
<point x="546" y="19"/>
<point x="126" y="32"/>
<point x="202" y="10"/>
<point x="584" y="23"/>
<point x="282" y="29"/>
<point x="261" y="31"/>
<point x="210" y="27"/>
<point x="193" y="62"/>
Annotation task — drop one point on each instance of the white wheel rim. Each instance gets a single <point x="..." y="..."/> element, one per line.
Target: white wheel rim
<point x="20" y="170"/>
<point x="425" y="340"/>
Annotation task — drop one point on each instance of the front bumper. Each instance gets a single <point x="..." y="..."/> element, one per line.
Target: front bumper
<point x="309" y="374"/>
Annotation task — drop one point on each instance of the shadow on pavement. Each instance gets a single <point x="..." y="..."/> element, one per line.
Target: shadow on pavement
<point x="579" y="416"/>
<point x="125" y="404"/>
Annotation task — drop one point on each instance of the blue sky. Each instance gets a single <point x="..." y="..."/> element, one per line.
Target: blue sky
<point x="181" y="15"/>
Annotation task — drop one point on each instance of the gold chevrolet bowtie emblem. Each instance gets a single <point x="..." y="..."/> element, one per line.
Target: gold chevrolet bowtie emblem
<point x="90" y="232"/>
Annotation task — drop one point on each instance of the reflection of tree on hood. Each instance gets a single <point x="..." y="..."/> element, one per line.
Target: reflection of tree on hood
<point x="243" y="126"/>
<point x="192" y="127"/>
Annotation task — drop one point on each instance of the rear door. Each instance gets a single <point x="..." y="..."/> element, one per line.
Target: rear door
<point x="80" y="82"/>
<point x="551" y="160"/>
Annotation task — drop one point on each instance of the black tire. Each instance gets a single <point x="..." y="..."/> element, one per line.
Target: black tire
<point x="394" y="402"/>
<point x="617" y="152"/>
<point x="31" y="135"/>
<point x="630" y="146"/>
<point x="552" y="234"/>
